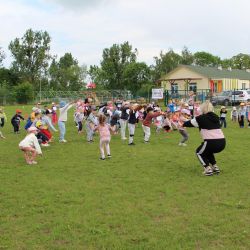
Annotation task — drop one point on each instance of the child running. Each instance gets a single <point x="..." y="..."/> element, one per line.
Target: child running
<point x="30" y="146"/>
<point x="105" y="137"/>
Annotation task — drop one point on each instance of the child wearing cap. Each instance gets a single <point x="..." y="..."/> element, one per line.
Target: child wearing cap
<point x="30" y="146"/>
<point x="234" y="114"/>
<point x="223" y="114"/>
<point x="241" y="114"/>
<point x="3" y="119"/>
<point x="16" y="120"/>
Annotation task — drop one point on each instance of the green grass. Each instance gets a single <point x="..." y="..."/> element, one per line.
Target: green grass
<point x="150" y="196"/>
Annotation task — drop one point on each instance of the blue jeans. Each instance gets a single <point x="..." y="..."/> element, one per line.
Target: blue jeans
<point x="223" y="122"/>
<point x="62" y="129"/>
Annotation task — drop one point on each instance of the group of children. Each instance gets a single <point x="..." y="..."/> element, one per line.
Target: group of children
<point x="107" y="119"/>
<point x="240" y="115"/>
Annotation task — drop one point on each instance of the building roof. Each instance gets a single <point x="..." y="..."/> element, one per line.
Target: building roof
<point x="213" y="72"/>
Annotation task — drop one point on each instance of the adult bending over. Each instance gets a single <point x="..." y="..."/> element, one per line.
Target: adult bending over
<point x="214" y="140"/>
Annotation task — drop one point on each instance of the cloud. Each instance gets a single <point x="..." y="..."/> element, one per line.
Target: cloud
<point x="85" y="28"/>
<point x="78" y="5"/>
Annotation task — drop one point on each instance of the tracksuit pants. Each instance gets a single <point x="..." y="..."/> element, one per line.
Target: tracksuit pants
<point x="147" y="133"/>
<point x="131" y="129"/>
<point x="90" y="132"/>
<point x="123" y="124"/>
<point x="184" y="135"/>
<point x="205" y="152"/>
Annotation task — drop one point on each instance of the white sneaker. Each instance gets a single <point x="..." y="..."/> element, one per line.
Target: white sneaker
<point x="215" y="169"/>
<point x="208" y="171"/>
<point x="63" y="141"/>
<point x="45" y="145"/>
<point x="180" y="144"/>
<point x="184" y="144"/>
<point x="125" y="138"/>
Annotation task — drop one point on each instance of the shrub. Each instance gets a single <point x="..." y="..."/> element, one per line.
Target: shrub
<point x="23" y="92"/>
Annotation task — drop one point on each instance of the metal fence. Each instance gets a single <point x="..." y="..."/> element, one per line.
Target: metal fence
<point x="200" y="95"/>
<point x="98" y="96"/>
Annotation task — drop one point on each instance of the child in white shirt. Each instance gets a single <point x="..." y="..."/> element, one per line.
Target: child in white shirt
<point x="30" y="146"/>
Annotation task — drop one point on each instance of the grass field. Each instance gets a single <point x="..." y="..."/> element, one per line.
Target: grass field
<point x="148" y="196"/>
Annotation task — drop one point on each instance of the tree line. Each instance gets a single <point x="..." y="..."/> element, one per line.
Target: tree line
<point x="33" y="66"/>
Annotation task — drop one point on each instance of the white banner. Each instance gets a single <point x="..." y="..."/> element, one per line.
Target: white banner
<point x="157" y="93"/>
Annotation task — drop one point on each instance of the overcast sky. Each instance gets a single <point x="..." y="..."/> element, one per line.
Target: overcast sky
<point x="86" y="27"/>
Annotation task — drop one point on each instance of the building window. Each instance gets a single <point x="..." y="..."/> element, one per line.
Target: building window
<point x="192" y="86"/>
<point x="174" y="88"/>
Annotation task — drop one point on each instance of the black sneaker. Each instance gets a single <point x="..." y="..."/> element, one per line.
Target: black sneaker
<point x="146" y="141"/>
<point x="132" y="143"/>
<point x="102" y="159"/>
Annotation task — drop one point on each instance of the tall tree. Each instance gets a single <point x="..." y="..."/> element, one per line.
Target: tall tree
<point x="135" y="75"/>
<point x="114" y="62"/>
<point x="206" y="59"/>
<point x="187" y="56"/>
<point x="165" y="63"/>
<point x="2" y="56"/>
<point x="241" y="61"/>
<point x="66" y="73"/>
<point x="31" y="54"/>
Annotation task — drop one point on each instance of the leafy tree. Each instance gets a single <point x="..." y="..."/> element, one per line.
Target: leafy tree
<point x="2" y="56"/>
<point x="165" y="63"/>
<point x="10" y="77"/>
<point x="135" y="75"/>
<point x="97" y="76"/>
<point x="227" y="63"/>
<point x="31" y="54"/>
<point x="66" y="73"/>
<point x="187" y="57"/>
<point x="206" y="59"/>
<point x="114" y="63"/>
<point x="23" y="92"/>
<point x="241" y="61"/>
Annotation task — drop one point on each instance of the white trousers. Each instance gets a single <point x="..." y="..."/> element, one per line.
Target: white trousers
<point x="104" y="143"/>
<point x="131" y="130"/>
<point x="123" y="124"/>
<point x="146" y="131"/>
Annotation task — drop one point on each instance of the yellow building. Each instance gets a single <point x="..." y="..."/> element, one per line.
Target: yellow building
<point x="188" y="77"/>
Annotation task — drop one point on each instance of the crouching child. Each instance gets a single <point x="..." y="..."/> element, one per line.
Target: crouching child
<point x="30" y="146"/>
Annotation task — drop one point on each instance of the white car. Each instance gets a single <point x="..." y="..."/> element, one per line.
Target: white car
<point x="240" y="96"/>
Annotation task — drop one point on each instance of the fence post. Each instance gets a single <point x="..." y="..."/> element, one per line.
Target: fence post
<point x="234" y="97"/>
<point x="166" y="97"/>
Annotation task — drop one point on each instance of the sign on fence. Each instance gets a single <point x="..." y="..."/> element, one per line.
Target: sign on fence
<point x="157" y="93"/>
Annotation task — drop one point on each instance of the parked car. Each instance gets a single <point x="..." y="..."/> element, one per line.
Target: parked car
<point x="240" y="96"/>
<point x="222" y="98"/>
